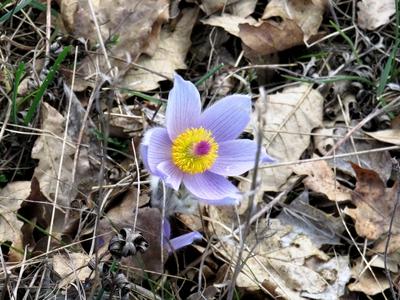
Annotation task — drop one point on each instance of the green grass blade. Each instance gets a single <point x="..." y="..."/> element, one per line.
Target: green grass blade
<point x="42" y="89"/>
<point x="209" y="74"/>
<point x="348" y="40"/>
<point x="16" y="9"/>
<point x="330" y="79"/>
<point x="18" y="75"/>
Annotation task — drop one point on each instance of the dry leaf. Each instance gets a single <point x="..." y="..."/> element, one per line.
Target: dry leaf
<point x="337" y="273"/>
<point x="71" y="267"/>
<point x="229" y="23"/>
<point x="305" y="13"/>
<point x="320" y="227"/>
<point x="128" y="28"/>
<point x="212" y="6"/>
<point x="271" y="37"/>
<point x="374" y="207"/>
<point x="288" y="264"/>
<point x="48" y="149"/>
<point x="290" y="116"/>
<point x="375" y="13"/>
<point x="379" y="161"/>
<point x="365" y="281"/>
<point x="322" y="179"/>
<point x="390" y="136"/>
<point x="243" y="8"/>
<point x="11" y="197"/>
<point x="169" y="56"/>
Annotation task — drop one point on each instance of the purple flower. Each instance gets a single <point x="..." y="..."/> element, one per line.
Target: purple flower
<point x="200" y="148"/>
<point x="180" y="241"/>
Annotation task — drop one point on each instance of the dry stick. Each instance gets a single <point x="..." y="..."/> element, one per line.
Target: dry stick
<point x="251" y="206"/>
<point x="361" y="124"/>
<point x="309" y="160"/>
<point x="53" y="212"/>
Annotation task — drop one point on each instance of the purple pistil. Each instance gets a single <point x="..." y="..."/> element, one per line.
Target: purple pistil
<point x="201" y="148"/>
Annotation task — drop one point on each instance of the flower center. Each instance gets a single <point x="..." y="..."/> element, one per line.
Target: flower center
<point x="194" y="150"/>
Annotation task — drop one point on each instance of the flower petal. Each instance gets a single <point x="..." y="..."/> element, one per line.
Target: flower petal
<point x="170" y="174"/>
<point x="183" y="240"/>
<point x="236" y="157"/>
<point x="221" y="202"/>
<point x="209" y="186"/>
<point x="227" y="118"/>
<point x="158" y="148"/>
<point x="183" y="108"/>
<point x="167" y="229"/>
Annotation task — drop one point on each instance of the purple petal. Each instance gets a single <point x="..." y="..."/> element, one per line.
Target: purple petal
<point x="143" y="149"/>
<point x="183" y="108"/>
<point x="167" y="229"/>
<point x="183" y="240"/>
<point x="209" y="186"/>
<point x="236" y="157"/>
<point x="221" y="202"/>
<point x="158" y="148"/>
<point x="171" y="175"/>
<point x="227" y="118"/>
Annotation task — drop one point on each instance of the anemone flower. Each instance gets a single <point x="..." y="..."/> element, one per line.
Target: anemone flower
<point x="180" y="241"/>
<point x="199" y="149"/>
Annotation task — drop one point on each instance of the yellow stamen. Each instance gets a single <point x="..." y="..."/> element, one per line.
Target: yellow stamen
<point x="185" y="156"/>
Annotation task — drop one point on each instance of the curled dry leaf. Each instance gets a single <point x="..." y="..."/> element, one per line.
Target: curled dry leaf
<point x="270" y="37"/>
<point x="169" y="56"/>
<point x="289" y="117"/>
<point x="374" y="208"/>
<point x="128" y="29"/>
<point x="229" y="23"/>
<point x="375" y="13"/>
<point x="390" y="136"/>
<point x="307" y="14"/>
<point x="11" y="197"/>
<point x="320" y="178"/>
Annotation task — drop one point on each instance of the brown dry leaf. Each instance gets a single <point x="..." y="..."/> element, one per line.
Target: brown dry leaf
<point x="169" y="55"/>
<point x="390" y="136"/>
<point x="229" y="23"/>
<point x="48" y="149"/>
<point x="135" y="24"/>
<point x="71" y="267"/>
<point x="281" y="264"/>
<point x="290" y="116"/>
<point x="270" y="37"/>
<point x="365" y="281"/>
<point x="305" y="13"/>
<point x="375" y="13"/>
<point x="127" y="124"/>
<point x="374" y="207"/>
<point x="148" y="223"/>
<point x="11" y="197"/>
<point x="379" y="161"/>
<point x="322" y="179"/>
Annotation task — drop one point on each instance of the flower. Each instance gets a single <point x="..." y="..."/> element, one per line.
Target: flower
<point x="199" y="149"/>
<point x="179" y="241"/>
